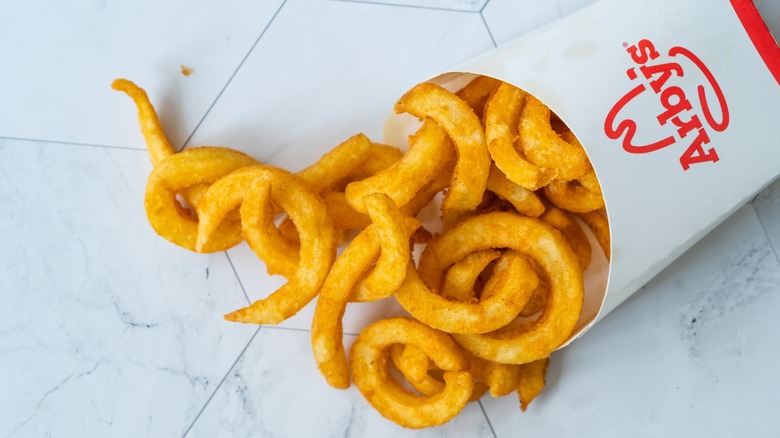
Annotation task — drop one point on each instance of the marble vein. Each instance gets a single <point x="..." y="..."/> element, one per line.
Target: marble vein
<point x="102" y="322"/>
<point x="48" y="393"/>
<point x="742" y="281"/>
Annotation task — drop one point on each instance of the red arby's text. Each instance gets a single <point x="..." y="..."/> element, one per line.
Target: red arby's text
<point x="688" y="116"/>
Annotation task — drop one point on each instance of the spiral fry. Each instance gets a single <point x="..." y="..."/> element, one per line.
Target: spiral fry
<point x="378" y="250"/>
<point x="544" y="147"/>
<point x="511" y="286"/>
<point x="502" y="117"/>
<point x="539" y="241"/>
<point x="369" y="359"/>
<point x="464" y="128"/>
<point x="411" y="173"/>
<point x="191" y="168"/>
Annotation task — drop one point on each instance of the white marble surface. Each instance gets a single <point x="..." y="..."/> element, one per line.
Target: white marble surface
<point x="108" y="330"/>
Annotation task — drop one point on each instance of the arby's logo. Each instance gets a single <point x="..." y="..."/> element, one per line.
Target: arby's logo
<point x="690" y="112"/>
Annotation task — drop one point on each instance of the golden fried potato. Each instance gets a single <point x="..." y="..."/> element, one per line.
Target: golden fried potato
<point x="369" y="360"/>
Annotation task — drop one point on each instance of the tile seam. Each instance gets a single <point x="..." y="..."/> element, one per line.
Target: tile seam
<point x="484" y="412"/>
<point x="490" y="33"/>
<point x="208" y="401"/>
<point x="238" y="278"/>
<point x="764" y="230"/>
<point x="395" y="5"/>
<point x="72" y="143"/>
<point x="233" y="75"/>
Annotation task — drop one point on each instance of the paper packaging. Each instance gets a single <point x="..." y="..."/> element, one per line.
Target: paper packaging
<point x="676" y="108"/>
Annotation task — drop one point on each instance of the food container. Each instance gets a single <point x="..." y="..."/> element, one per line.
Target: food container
<point x="676" y="103"/>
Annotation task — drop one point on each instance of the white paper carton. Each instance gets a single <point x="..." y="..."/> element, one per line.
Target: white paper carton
<point x="677" y="104"/>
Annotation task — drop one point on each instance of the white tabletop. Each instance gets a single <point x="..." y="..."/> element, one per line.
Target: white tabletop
<point x="107" y="329"/>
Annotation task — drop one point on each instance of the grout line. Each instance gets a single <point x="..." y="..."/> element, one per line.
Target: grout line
<point x="235" y="272"/>
<point x="430" y="8"/>
<point x="488" y="29"/>
<point x="483" y="7"/>
<point x="128" y="186"/>
<point x="766" y="234"/>
<point x="230" y="79"/>
<point x="72" y="143"/>
<point x="289" y="329"/>
<point x="487" y="419"/>
<point x="306" y="330"/>
<point x="240" y="355"/>
<point x="243" y="289"/>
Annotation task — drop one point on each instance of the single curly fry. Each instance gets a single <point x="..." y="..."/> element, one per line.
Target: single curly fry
<point x="429" y="153"/>
<point x="544" y="147"/>
<point x="369" y="360"/>
<point x="523" y="200"/>
<point x="394" y="233"/>
<point x="337" y="164"/>
<point x="258" y="189"/>
<point x="460" y="279"/>
<point x="375" y="250"/>
<point x="581" y="195"/>
<point x="477" y="92"/>
<point x="326" y="330"/>
<point x="191" y="168"/>
<point x="572" y="232"/>
<point x="541" y="243"/>
<point x="157" y="144"/>
<point x="465" y="129"/>
<point x="502" y="117"/>
<point x="532" y="381"/>
<point x="513" y="282"/>
<point x="599" y="224"/>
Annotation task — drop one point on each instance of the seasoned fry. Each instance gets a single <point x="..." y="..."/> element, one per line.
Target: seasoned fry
<point x="430" y="151"/>
<point x="532" y="381"/>
<point x="477" y="92"/>
<point x="523" y="200"/>
<point x="542" y="243"/>
<point x="461" y="278"/>
<point x="190" y="168"/>
<point x="258" y="189"/>
<point x="502" y="117"/>
<point x="544" y="147"/>
<point x="157" y="143"/>
<point x="465" y="129"/>
<point x="338" y="164"/>
<point x="581" y="195"/>
<point x="597" y="221"/>
<point x="378" y="250"/>
<point x="572" y="232"/>
<point x="369" y="362"/>
<point x="514" y="282"/>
